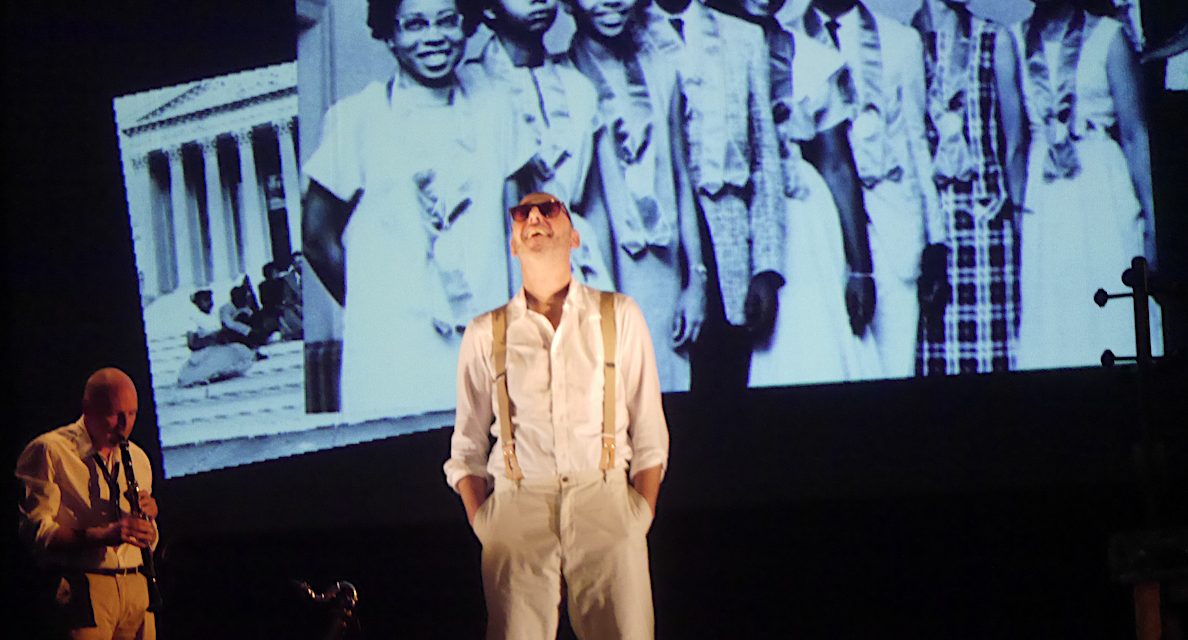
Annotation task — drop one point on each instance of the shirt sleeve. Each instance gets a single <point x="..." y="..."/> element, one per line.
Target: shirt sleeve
<point x="42" y="499"/>
<point x="647" y="427"/>
<point x="470" y="444"/>
<point x="228" y="314"/>
<point x="337" y="162"/>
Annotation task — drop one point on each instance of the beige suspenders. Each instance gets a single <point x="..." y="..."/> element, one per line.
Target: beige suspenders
<point x="499" y="351"/>
<point x="606" y="309"/>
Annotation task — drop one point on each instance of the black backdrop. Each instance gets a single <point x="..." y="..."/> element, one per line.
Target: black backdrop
<point x="915" y="508"/>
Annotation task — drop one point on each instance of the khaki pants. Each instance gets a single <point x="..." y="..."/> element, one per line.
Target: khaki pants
<point x="120" y="605"/>
<point x="590" y="530"/>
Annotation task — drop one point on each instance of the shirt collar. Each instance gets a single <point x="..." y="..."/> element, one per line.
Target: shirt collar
<point x="77" y="433"/>
<point x="518" y="306"/>
<point x="395" y="101"/>
<point x="843" y="19"/>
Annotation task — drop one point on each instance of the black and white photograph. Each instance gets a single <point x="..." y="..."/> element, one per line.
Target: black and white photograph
<point x="211" y="175"/>
<point x="801" y="192"/>
<point x="679" y="319"/>
<point x="795" y="193"/>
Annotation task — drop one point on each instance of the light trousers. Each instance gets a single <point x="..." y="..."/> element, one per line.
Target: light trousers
<point x="896" y="232"/>
<point x="895" y="326"/>
<point x="587" y="529"/>
<point x="121" y="611"/>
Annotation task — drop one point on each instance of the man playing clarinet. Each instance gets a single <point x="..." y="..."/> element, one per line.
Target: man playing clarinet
<point x="76" y="517"/>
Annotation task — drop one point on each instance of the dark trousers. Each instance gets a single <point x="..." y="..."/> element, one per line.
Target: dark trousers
<point x="721" y="359"/>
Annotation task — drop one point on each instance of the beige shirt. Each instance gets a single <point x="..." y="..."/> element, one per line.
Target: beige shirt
<point x="555" y="380"/>
<point x="64" y="487"/>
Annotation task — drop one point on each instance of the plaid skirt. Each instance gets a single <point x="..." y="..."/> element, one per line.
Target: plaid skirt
<point x="980" y="326"/>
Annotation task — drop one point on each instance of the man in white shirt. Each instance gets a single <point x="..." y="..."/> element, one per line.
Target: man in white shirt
<point x="563" y="507"/>
<point x="76" y="517"/>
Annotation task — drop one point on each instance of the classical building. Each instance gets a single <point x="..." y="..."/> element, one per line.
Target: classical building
<point x="211" y="175"/>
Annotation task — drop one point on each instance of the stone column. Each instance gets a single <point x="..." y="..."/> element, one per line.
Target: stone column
<point x="257" y="245"/>
<point x="138" y="184"/>
<point x="291" y="177"/>
<point x="216" y="214"/>
<point x="185" y="244"/>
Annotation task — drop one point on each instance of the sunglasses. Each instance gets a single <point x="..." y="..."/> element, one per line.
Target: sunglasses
<point x="549" y="209"/>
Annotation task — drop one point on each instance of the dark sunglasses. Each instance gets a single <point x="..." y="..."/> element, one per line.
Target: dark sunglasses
<point x="549" y="209"/>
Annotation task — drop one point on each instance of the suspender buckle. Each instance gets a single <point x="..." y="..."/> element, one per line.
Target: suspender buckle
<point x="510" y="463"/>
<point x="608" y="452"/>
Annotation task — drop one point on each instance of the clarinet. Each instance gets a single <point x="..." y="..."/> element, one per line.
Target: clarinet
<point x="146" y="554"/>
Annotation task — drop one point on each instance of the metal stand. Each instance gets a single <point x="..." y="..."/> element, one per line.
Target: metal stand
<point x="1156" y="557"/>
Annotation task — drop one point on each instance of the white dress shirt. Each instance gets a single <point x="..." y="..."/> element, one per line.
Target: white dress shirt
<point x="555" y="382"/>
<point x="65" y="488"/>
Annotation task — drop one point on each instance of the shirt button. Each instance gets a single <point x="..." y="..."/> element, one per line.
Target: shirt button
<point x="564" y="478"/>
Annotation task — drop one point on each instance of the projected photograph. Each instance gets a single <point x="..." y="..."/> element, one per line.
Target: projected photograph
<point x="211" y="173"/>
<point x="836" y="191"/>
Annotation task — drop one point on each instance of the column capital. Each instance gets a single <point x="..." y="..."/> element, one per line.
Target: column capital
<point x="140" y="162"/>
<point x="243" y="136"/>
<point x="285" y="126"/>
<point x="210" y="144"/>
<point x="174" y="153"/>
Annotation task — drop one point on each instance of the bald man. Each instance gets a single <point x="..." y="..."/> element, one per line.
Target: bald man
<point x="580" y="450"/>
<point x="76" y="518"/>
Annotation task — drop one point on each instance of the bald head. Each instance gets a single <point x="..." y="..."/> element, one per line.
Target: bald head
<point x="109" y="407"/>
<point x="538" y="197"/>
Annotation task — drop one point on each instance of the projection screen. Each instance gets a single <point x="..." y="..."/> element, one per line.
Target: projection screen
<point x="996" y="187"/>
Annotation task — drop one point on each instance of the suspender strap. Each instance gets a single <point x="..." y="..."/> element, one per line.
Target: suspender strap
<point x="499" y="351"/>
<point x="607" y="311"/>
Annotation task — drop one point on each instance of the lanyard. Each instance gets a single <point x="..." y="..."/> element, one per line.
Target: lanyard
<point x="113" y="485"/>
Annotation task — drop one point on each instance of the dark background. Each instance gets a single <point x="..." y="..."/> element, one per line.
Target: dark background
<point x="978" y="507"/>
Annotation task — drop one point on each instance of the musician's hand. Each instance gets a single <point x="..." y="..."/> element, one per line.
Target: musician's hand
<point x="148" y="505"/>
<point x="137" y="531"/>
<point x="127" y="530"/>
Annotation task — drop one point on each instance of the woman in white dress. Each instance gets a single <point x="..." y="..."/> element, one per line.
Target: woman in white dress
<point x="643" y="189"/>
<point x="403" y="218"/>
<point x="1088" y="206"/>
<point x="821" y="332"/>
